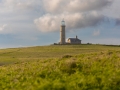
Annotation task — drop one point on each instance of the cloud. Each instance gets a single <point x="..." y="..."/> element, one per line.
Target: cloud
<point x="19" y="15"/>
<point x="118" y="21"/>
<point x="59" y="6"/>
<point x="3" y="27"/>
<point x="19" y="5"/>
<point x="50" y="22"/>
<point x="96" y="33"/>
<point x="77" y="14"/>
<point x="112" y="11"/>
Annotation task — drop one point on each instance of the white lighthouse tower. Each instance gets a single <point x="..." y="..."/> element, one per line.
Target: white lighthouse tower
<point x="62" y="32"/>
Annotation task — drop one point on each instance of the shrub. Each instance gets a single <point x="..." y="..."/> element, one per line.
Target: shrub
<point x="68" y="66"/>
<point x="66" y="56"/>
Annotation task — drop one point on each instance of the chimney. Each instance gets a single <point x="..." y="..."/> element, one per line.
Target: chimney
<point x="76" y="37"/>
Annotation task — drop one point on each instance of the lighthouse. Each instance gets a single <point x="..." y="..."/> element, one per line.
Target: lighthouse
<point x="62" y="32"/>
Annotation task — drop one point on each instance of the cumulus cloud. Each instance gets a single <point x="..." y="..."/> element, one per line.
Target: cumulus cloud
<point x="96" y="33"/>
<point x="50" y="22"/>
<point x="77" y="13"/>
<point x="3" y="27"/>
<point x="55" y="6"/>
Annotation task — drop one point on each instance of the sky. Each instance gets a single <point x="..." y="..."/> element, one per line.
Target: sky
<point x="26" y="23"/>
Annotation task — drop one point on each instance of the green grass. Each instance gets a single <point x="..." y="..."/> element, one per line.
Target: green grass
<point x="67" y="67"/>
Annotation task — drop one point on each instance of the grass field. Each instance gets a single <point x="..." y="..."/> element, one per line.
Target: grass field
<point x="64" y="67"/>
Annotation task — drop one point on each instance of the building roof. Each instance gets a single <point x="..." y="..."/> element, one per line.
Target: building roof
<point x="74" y="39"/>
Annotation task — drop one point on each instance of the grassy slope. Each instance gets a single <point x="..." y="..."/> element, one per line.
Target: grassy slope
<point x="71" y="67"/>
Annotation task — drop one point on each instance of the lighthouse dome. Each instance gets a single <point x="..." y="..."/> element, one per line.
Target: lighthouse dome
<point x="63" y="23"/>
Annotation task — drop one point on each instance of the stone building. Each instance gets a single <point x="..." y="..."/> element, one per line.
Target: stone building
<point x="74" y="40"/>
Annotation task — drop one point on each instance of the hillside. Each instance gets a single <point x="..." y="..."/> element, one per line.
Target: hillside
<point x="69" y="67"/>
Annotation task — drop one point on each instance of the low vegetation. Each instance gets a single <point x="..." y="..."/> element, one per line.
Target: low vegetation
<point x="74" y="67"/>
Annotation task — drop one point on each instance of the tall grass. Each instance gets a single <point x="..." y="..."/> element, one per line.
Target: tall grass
<point x="77" y="70"/>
